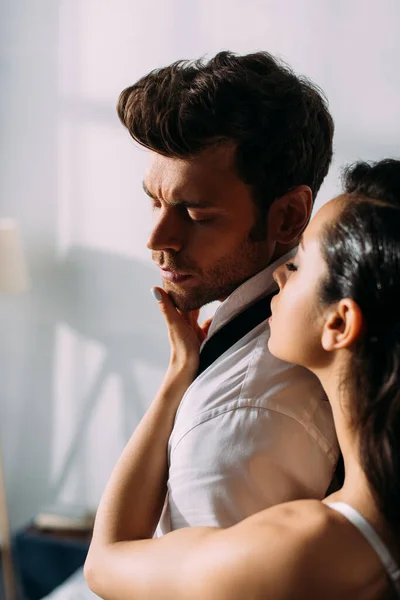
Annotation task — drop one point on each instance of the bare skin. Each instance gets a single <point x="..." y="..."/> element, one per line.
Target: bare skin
<point x="208" y="236"/>
<point x="298" y="550"/>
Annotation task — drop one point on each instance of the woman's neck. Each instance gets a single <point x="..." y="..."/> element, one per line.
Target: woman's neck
<point x="356" y="489"/>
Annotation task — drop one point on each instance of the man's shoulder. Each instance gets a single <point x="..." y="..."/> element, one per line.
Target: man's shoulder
<point x="250" y="377"/>
<point x="248" y="372"/>
<point x="222" y="382"/>
<point x="268" y="376"/>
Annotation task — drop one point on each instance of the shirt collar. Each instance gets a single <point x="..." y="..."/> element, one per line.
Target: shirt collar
<point x="248" y="292"/>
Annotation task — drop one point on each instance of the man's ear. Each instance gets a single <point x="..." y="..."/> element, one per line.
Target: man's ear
<point x="343" y="326"/>
<point x="289" y="214"/>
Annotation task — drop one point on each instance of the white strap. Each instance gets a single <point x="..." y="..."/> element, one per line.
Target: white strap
<point x="373" y="538"/>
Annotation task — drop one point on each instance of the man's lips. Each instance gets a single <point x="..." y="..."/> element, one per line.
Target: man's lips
<point x="173" y="276"/>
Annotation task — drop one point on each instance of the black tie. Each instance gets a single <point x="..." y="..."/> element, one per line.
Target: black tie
<point x="234" y="330"/>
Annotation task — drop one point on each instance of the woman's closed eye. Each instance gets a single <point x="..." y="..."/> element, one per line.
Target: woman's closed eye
<point x="290" y="266"/>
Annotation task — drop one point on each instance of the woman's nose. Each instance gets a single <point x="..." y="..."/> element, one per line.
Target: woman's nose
<point x="279" y="275"/>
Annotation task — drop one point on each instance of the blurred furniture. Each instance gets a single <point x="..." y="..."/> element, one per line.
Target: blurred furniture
<point x="46" y="559"/>
<point x="13" y="279"/>
<point x="74" y="588"/>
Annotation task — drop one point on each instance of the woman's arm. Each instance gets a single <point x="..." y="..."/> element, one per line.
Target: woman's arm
<point x="124" y="563"/>
<point x="270" y="556"/>
<point x="132" y="502"/>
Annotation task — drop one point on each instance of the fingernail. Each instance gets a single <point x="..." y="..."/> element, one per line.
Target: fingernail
<point x="156" y="294"/>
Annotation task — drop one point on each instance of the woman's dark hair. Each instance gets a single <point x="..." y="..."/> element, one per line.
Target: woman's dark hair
<point x="279" y="123"/>
<point x="362" y="251"/>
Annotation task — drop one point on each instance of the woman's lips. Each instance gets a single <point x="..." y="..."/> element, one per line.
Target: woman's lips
<point x="174" y="276"/>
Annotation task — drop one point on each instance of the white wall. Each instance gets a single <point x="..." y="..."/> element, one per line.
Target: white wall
<point x="82" y="354"/>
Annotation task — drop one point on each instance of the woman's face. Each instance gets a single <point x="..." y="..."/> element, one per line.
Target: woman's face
<point x="297" y="316"/>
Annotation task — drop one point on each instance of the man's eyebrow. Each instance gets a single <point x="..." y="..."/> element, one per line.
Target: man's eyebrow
<point x="185" y="203"/>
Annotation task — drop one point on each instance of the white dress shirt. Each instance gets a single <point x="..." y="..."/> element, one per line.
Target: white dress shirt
<point x="251" y="431"/>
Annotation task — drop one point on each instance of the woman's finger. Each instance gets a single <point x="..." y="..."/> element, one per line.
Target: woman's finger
<point x="178" y="328"/>
<point x="166" y="305"/>
<point x="184" y="340"/>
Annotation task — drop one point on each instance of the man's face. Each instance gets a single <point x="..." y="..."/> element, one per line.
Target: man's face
<point x="204" y="217"/>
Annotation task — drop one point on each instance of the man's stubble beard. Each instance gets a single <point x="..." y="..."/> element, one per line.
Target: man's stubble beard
<point x="223" y="278"/>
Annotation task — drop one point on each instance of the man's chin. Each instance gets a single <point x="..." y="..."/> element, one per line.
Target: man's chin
<point x="186" y="301"/>
<point x="183" y="302"/>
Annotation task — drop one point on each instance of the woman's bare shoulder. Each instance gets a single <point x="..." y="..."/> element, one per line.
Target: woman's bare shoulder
<point x="290" y="527"/>
<point x="302" y="521"/>
<point x="263" y="556"/>
<point x="295" y="550"/>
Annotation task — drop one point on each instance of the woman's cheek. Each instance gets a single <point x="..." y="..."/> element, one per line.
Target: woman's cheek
<point x="280" y="341"/>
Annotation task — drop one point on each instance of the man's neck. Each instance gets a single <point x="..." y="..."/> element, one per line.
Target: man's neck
<point x="254" y="288"/>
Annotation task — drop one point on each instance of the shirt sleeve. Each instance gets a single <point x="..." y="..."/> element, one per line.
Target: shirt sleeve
<point x="227" y="468"/>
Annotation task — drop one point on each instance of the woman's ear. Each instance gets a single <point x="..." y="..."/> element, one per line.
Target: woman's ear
<point x="289" y="214"/>
<point x="343" y="326"/>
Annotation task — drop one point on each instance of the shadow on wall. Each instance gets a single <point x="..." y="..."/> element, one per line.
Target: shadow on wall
<point x="104" y="298"/>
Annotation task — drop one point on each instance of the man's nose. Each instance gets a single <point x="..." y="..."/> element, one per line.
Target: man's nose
<point x="168" y="232"/>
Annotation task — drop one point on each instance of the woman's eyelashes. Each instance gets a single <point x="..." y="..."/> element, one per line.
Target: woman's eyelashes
<point x="290" y="266"/>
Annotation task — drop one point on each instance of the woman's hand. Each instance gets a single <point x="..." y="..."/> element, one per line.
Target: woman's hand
<point x="185" y="336"/>
<point x="135" y="494"/>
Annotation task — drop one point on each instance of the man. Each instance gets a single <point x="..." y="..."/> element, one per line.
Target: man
<point x="239" y="148"/>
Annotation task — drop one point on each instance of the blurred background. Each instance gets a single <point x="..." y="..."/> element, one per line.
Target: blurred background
<point x="82" y="353"/>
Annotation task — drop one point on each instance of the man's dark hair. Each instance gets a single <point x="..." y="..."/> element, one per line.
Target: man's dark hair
<point x="279" y="123"/>
<point x="362" y="252"/>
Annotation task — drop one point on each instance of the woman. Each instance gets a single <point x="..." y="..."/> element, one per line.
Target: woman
<point x="341" y="295"/>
